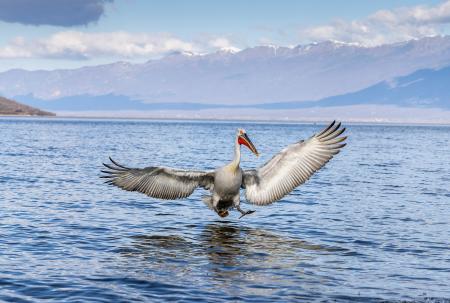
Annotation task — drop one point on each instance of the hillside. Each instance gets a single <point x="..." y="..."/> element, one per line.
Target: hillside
<point x="427" y="88"/>
<point x="10" y="107"/>
<point x="422" y="89"/>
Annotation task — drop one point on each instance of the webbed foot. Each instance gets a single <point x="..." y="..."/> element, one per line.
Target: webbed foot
<point x="248" y="212"/>
<point x="223" y="213"/>
<point x="243" y="212"/>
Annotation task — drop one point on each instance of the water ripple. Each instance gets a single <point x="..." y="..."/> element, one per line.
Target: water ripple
<point x="371" y="227"/>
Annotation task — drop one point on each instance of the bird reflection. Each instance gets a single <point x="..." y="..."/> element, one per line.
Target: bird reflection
<point x="232" y="251"/>
<point x="223" y="244"/>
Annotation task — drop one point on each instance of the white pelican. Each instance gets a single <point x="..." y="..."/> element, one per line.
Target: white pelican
<point x="288" y="169"/>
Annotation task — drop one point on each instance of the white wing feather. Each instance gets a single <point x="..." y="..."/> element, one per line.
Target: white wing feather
<point x="293" y="166"/>
<point x="158" y="182"/>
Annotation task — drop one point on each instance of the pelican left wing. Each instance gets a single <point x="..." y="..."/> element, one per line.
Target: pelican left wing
<point x="157" y="182"/>
<point x="293" y="166"/>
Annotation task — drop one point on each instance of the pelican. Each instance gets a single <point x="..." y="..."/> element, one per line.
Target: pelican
<point x="288" y="169"/>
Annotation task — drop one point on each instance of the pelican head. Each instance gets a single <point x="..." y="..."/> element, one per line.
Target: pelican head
<point x="243" y="139"/>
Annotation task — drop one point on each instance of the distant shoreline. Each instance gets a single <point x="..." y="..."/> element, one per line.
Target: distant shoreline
<point x="13" y="115"/>
<point x="232" y="120"/>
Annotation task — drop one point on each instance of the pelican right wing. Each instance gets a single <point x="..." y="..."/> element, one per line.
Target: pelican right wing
<point x="292" y="166"/>
<point x="158" y="182"/>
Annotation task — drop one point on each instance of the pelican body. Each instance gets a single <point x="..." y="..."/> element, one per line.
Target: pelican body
<point x="228" y="180"/>
<point x="290" y="168"/>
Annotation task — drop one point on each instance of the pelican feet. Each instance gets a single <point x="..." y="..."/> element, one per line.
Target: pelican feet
<point x="223" y="213"/>
<point x="248" y="212"/>
<point x="243" y="212"/>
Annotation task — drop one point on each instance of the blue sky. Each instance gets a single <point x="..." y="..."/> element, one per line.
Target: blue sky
<point x="50" y="34"/>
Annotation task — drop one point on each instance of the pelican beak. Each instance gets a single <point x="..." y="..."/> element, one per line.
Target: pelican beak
<point x="245" y="140"/>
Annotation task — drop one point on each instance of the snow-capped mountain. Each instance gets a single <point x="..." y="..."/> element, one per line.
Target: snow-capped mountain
<point x="263" y="74"/>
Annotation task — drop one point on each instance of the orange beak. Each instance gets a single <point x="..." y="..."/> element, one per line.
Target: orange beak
<point x="245" y="140"/>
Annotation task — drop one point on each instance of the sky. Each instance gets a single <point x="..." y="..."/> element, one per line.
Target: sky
<point x="55" y="34"/>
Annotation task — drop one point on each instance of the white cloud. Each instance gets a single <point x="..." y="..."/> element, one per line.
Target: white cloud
<point x="222" y="43"/>
<point x="81" y="45"/>
<point x="384" y="26"/>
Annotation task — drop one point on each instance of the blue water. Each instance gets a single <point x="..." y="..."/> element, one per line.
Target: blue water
<point x="372" y="226"/>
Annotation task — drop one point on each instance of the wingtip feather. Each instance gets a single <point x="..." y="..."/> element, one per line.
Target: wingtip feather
<point x="117" y="164"/>
<point x="326" y="129"/>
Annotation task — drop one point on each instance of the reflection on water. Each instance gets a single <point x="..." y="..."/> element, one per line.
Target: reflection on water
<point x="232" y="252"/>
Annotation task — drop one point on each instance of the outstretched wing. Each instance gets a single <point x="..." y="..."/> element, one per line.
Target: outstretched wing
<point x="293" y="166"/>
<point x="157" y="182"/>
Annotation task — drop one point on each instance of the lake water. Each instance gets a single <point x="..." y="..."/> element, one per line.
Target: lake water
<point x="372" y="226"/>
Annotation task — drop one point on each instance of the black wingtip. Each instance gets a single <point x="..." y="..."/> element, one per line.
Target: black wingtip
<point x="107" y="177"/>
<point x="326" y="128"/>
<point x="117" y="164"/>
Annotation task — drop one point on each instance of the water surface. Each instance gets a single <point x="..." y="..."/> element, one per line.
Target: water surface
<point x="372" y="226"/>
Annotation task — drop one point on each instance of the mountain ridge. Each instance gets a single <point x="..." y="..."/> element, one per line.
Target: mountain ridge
<point x="263" y="74"/>
<point x="426" y="88"/>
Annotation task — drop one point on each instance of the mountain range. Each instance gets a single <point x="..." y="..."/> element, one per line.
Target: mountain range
<point x="328" y="74"/>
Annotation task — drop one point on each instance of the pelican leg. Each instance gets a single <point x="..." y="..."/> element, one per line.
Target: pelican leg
<point x="243" y="212"/>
